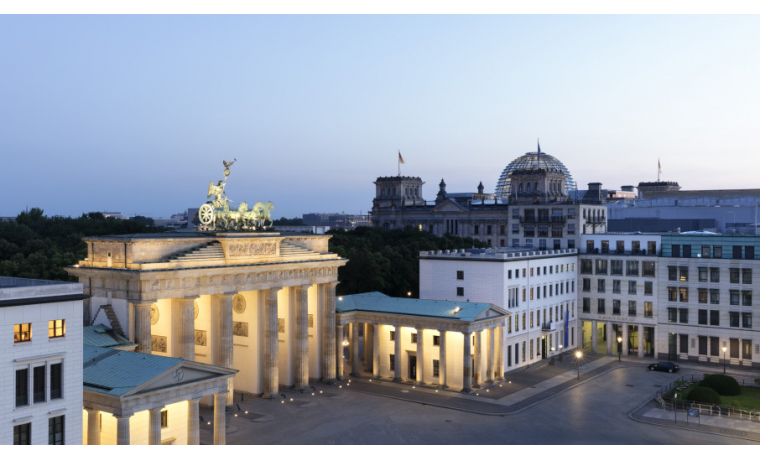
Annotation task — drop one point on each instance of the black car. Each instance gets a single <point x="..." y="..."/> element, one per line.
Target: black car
<point x="664" y="367"/>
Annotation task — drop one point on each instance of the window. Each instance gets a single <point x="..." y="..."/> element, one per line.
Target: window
<point x="672" y="273"/>
<point x="749" y="252"/>
<point x="714" y="275"/>
<point x="22" y="387"/>
<point x="22" y="435"/>
<point x="476" y="229"/>
<point x="733" y="275"/>
<point x="702" y="317"/>
<point x="672" y="315"/>
<point x="676" y="250"/>
<point x="635" y="247"/>
<point x="631" y="308"/>
<point x="705" y="251"/>
<point x="39" y="384"/>
<point x="683" y="343"/>
<point x="600" y="285"/>
<point x="586" y="285"/>
<point x="436" y="340"/>
<point x="672" y="294"/>
<point x="648" y="268"/>
<point x="601" y="267"/>
<point x="737" y="252"/>
<point x="702" y="295"/>
<point x="702" y="274"/>
<point x="632" y="287"/>
<point x="684" y="274"/>
<point x="393" y="336"/>
<point x="436" y="367"/>
<point x="648" y="309"/>
<point x="747" y="320"/>
<point x="617" y="267"/>
<point x="600" y="306"/>
<point x="651" y="248"/>
<point x="586" y="305"/>
<point x="392" y="362"/>
<point x="615" y="307"/>
<point x="57" y="328"/>
<point x="733" y="319"/>
<point x="414" y="337"/>
<point x="717" y="252"/>
<point x="632" y="267"/>
<point x="714" y="296"/>
<point x="714" y="318"/>
<point x="747" y="298"/>
<point x="619" y="247"/>
<point x="683" y="315"/>
<point x="56" y="381"/>
<point x="734" y="297"/>
<point x="683" y="294"/>
<point x="22" y="332"/>
<point x="648" y="289"/>
<point x="460" y="292"/>
<point x="746" y="276"/>
<point x="460" y="274"/>
<point x="164" y="419"/>
<point x="616" y="286"/>
<point x="605" y="246"/>
<point x="586" y="267"/>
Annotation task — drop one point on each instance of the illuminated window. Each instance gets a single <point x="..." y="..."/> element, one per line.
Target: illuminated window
<point x="436" y="365"/>
<point x="22" y="332"/>
<point x="57" y="328"/>
<point x="393" y="362"/>
<point x="436" y="340"/>
<point x="393" y="336"/>
<point x="414" y="337"/>
<point x="164" y="419"/>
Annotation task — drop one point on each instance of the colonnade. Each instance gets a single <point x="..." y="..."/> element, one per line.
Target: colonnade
<point x="612" y="337"/>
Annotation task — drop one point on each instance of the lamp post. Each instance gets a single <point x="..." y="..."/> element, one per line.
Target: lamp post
<point x="578" y="356"/>
<point x="724" y="360"/>
<point x="620" y="347"/>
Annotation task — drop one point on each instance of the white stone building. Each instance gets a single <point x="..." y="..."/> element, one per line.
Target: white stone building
<point x="536" y="288"/>
<point x="41" y="354"/>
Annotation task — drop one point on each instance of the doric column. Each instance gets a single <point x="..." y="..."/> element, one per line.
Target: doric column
<point x="624" y="344"/>
<point x="302" y="338"/>
<point x="641" y="341"/>
<point x="420" y="355"/>
<point x="122" y="422"/>
<point x="183" y="328"/>
<point x="154" y="426"/>
<point x="271" y="346"/>
<point x="478" y="358"/>
<point x="593" y="337"/>
<point x="329" y="352"/>
<point x="397" y="355"/>
<point x="340" y="336"/>
<point x="610" y="337"/>
<point x="225" y="358"/>
<point x="442" y="360"/>
<point x="220" y="423"/>
<point x="193" y="422"/>
<point x="376" y="351"/>
<point x="369" y="347"/>
<point x="467" y="363"/>
<point x="142" y="326"/>
<point x="499" y="353"/>
<point x="93" y="427"/>
<point x="491" y="345"/>
<point x="355" y="357"/>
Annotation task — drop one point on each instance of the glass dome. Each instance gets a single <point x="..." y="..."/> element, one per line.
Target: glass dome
<point x="530" y="161"/>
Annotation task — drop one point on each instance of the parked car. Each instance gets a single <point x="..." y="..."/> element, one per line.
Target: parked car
<point x="664" y="367"/>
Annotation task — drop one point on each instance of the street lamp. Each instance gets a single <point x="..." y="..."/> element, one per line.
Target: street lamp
<point x="724" y="360"/>
<point x="578" y="356"/>
<point x="620" y="347"/>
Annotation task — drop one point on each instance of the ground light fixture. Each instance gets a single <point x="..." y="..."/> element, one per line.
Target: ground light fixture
<point x="620" y="347"/>
<point x="578" y="356"/>
<point x="724" y="360"/>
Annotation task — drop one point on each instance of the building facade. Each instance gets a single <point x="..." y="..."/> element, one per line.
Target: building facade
<point x="41" y="355"/>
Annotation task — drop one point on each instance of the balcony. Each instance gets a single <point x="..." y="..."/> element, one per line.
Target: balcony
<point x="542" y="220"/>
<point x="548" y="327"/>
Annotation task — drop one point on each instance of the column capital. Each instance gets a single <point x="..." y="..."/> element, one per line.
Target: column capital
<point x="123" y="415"/>
<point x="156" y="408"/>
<point x="304" y="286"/>
<point x="274" y="289"/>
<point x="331" y="283"/>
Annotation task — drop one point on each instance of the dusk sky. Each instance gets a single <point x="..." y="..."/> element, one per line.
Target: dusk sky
<point x="136" y="113"/>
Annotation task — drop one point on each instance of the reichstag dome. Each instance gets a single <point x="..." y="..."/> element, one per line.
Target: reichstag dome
<point x="532" y="161"/>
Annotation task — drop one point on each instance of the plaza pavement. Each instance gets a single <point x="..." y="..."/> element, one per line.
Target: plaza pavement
<point x="519" y="392"/>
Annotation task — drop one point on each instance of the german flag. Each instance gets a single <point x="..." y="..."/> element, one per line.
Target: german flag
<point x="400" y="158"/>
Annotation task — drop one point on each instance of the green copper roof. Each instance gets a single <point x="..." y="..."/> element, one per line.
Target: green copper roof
<point x="101" y="336"/>
<point x="381" y="303"/>
<point x="116" y="372"/>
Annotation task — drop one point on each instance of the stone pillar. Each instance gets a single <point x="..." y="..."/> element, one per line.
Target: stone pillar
<point x="220" y="423"/>
<point x="369" y="347"/>
<point x="193" y="422"/>
<point x="93" y="427"/>
<point x="154" y="426"/>
<point x="122" y="422"/>
<point x="610" y="337"/>
<point x="641" y="341"/>
<point x="340" y="336"/>
<point x="491" y="354"/>
<point x="397" y="354"/>
<point x="355" y="357"/>
<point x="478" y="357"/>
<point x="271" y="346"/>
<point x="467" y="363"/>
<point x="142" y="327"/>
<point x="184" y="328"/>
<point x="500" y="354"/>
<point x="442" y="360"/>
<point x="624" y="344"/>
<point x="593" y="337"/>
<point x="376" y="351"/>
<point x="302" y="338"/>
<point x="420" y="355"/>
<point x="328" y="341"/>
<point x="225" y="354"/>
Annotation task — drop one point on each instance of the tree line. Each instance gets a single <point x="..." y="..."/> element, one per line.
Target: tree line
<point x="387" y="261"/>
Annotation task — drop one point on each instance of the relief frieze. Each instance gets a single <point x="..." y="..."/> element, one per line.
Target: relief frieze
<point x="259" y="248"/>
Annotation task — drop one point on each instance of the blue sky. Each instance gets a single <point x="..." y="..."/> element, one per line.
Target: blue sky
<point x="136" y="113"/>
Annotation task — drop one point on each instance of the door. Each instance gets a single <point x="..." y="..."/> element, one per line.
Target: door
<point x="543" y="347"/>
<point x="412" y="367"/>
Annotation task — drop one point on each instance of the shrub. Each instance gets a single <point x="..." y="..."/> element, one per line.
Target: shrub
<point x="723" y="384"/>
<point x="735" y="403"/>
<point x="704" y="395"/>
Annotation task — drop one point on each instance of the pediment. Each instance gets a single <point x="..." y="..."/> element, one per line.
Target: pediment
<point x="491" y="312"/>
<point x="449" y="205"/>
<point x="181" y="374"/>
